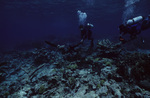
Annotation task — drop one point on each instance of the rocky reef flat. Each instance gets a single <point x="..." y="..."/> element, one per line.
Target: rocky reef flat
<point x="107" y="71"/>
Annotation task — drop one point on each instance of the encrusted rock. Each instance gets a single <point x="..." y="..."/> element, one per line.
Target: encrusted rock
<point x="102" y="91"/>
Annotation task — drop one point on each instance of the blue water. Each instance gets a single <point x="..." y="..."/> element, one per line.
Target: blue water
<point x="31" y="20"/>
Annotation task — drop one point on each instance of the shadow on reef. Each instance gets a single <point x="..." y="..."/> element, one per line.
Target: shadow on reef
<point x="106" y="70"/>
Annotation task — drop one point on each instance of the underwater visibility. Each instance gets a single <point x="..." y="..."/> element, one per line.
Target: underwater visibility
<point x="74" y="49"/>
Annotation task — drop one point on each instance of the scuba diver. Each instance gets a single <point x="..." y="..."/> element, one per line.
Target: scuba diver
<point x="85" y="29"/>
<point x="86" y="33"/>
<point x="134" y="27"/>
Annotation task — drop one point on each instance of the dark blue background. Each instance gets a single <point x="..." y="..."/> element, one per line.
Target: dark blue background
<point x="26" y="21"/>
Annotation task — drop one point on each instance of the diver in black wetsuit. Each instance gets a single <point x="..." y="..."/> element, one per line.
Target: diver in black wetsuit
<point x="86" y="33"/>
<point x="134" y="27"/>
<point x="133" y="30"/>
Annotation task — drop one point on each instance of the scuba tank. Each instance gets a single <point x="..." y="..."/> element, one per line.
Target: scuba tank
<point x="90" y="25"/>
<point x="135" y="20"/>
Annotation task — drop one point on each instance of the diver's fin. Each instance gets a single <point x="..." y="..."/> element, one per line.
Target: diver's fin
<point x="51" y="44"/>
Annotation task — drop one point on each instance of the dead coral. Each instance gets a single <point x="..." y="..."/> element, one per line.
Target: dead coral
<point x="108" y="49"/>
<point x="106" y="44"/>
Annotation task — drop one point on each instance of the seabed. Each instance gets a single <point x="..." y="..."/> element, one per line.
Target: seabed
<point x="105" y="71"/>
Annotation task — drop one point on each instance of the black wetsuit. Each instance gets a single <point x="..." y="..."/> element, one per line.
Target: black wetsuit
<point x="133" y="30"/>
<point x="89" y="35"/>
<point x="83" y="33"/>
<point x="86" y="33"/>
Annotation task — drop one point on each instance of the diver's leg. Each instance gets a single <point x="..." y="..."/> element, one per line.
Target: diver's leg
<point x="90" y="38"/>
<point x="92" y="43"/>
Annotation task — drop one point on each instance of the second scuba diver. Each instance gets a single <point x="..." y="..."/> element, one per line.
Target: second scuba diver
<point x="134" y="27"/>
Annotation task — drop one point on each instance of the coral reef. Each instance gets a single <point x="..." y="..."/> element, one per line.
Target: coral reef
<point x="106" y="71"/>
